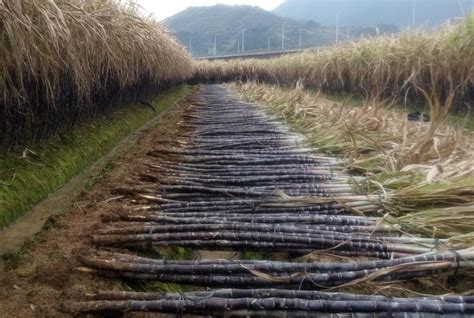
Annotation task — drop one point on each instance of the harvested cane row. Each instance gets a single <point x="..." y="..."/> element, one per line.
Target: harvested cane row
<point x="217" y="187"/>
<point x="268" y="274"/>
<point x="232" y="160"/>
<point x="275" y="303"/>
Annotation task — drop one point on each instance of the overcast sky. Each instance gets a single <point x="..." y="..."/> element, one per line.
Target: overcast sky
<point x="164" y="8"/>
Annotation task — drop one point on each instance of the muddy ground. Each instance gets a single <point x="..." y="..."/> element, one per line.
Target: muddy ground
<point x="44" y="272"/>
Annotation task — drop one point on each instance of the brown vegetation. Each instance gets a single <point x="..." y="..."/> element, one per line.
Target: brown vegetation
<point x="436" y="65"/>
<point x="70" y="60"/>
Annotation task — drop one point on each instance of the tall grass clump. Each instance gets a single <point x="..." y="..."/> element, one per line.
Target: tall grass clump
<point x="420" y="66"/>
<point x="67" y="61"/>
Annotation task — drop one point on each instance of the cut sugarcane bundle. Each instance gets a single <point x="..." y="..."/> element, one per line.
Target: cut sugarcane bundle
<point x="234" y="180"/>
<point x="250" y="274"/>
<point x="270" y="302"/>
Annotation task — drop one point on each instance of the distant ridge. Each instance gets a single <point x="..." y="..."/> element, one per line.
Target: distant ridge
<point x="198" y="27"/>
<point x="372" y="12"/>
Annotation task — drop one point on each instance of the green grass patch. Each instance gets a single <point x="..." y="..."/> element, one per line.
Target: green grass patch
<point x="26" y="180"/>
<point x="254" y="255"/>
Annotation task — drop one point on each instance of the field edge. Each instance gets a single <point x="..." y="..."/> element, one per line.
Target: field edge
<point x="28" y="179"/>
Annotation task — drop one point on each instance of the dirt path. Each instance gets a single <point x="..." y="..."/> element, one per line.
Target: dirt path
<point x="34" y="280"/>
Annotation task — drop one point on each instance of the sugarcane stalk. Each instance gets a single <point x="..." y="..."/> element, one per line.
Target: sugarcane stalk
<point x="268" y="293"/>
<point x="223" y="304"/>
<point x="293" y="248"/>
<point x="277" y="273"/>
<point x="276" y="266"/>
<point x="274" y="228"/>
<point x="146" y="227"/>
<point x="288" y="219"/>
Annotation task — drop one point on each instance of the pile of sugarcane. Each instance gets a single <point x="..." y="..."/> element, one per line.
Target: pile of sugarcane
<point x="258" y="274"/>
<point x="274" y="303"/>
<point x="213" y="190"/>
<point x="295" y="234"/>
<point x="224" y="184"/>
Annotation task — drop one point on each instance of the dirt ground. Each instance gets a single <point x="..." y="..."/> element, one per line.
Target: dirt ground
<point x="44" y="272"/>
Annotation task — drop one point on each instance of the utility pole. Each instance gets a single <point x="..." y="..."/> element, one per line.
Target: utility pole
<point x="268" y="44"/>
<point x="461" y="8"/>
<point x="301" y="38"/>
<point x="238" y="46"/>
<point x="283" y="37"/>
<point x="337" y="28"/>
<point x="414" y="14"/>
<point x="243" y="40"/>
<point x="215" y="45"/>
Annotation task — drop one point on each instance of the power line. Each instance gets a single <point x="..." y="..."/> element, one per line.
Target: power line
<point x="414" y="14"/>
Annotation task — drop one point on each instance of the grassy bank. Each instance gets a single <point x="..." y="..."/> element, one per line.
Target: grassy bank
<point x="28" y="177"/>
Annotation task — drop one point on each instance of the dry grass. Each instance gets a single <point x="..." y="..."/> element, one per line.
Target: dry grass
<point x="64" y="59"/>
<point x="408" y="167"/>
<point x="432" y="66"/>
<point x="374" y="138"/>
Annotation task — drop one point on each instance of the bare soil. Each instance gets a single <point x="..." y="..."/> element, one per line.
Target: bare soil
<point x="45" y="272"/>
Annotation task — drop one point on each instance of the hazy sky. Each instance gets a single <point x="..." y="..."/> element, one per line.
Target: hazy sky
<point x="163" y="9"/>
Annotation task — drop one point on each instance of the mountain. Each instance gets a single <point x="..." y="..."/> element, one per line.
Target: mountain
<point x="199" y="27"/>
<point x="428" y="13"/>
